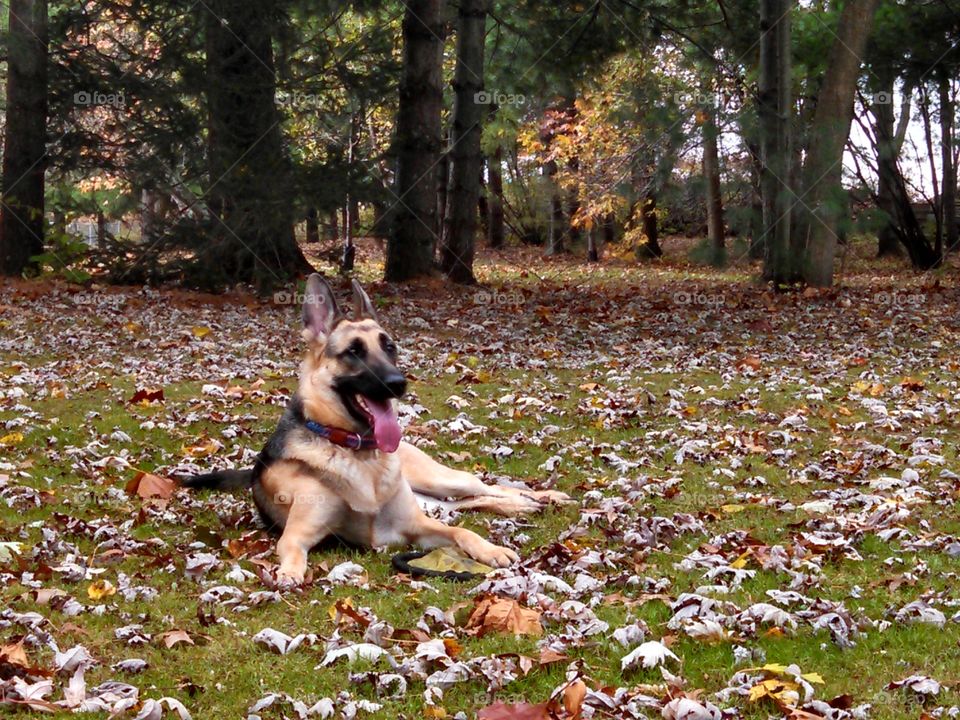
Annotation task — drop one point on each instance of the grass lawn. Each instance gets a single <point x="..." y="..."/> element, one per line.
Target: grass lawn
<point x="719" y="440"/>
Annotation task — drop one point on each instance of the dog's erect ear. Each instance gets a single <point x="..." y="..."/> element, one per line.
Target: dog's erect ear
<point x="320" y="311"/>
<point x="362" y="307"/>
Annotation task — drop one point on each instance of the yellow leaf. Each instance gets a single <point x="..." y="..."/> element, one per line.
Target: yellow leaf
<point x="434" y="711"/>
<point x="14" y="438"/>
<point x="741" y="562"/>
<point x="732" y="509"/>
<point x="333" y="610"/>
<point x="446" y="559"/>
<point x="775" y="668"/>
<point x="101" y="589"/>
<point x="200" y="331"/>
<point x="773" y="688"/>
<point x="816" y="678"/>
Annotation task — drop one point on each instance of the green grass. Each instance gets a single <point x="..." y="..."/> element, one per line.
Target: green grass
<point x="225" y="672"/>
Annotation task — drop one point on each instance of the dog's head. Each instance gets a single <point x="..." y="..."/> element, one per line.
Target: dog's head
<point x="349" y="377"/>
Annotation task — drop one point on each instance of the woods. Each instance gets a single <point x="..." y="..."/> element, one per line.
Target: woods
<point x="221" y="141"/>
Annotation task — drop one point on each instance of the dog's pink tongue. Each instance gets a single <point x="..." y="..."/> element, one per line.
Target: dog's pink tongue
<point x="386" y="427"/>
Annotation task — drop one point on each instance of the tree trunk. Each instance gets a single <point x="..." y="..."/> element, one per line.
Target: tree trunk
<point x="351" y="211"/>
<point x="410" y="246"/>
<point x="101" y="230"/>
<point x="557" y="218"/>
<point x="888" y="245"/>
<point x="25" y="137"/>
<point x="253" y="238"/>
<point x="650" y="247"/>
<point x="757" y="248"/>
<point x="711" y="176"/>
<point x="931" y="158"/>
<point x="496" y="233"/>
<point x="822" y="170"/>
<point x="466" y="157"/>
<point x="443" y="186"/>
<point x="313" y="226"/>
<point x="593" y="252"/>
<point x="775" y="110"/>
<point x="949" y="184"/>
<point x="483" y="203"/>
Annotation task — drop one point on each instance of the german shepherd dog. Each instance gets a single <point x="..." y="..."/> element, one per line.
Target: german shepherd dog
<point x="336" y="464"/>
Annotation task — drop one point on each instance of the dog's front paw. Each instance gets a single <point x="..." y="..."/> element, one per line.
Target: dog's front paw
<point x="494" y="555"/>
<point x="549" y="496"/>
<point x="289" y="579"/>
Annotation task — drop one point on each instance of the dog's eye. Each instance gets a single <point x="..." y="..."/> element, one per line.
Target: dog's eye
<point x="388" y="345"/>
<point x="356" y="349"/>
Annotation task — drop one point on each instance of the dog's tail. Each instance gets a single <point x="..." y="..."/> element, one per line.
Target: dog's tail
<point x="220" y="480"/>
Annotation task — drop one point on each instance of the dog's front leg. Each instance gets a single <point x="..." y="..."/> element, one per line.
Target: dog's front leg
<point x="308" y="522"/>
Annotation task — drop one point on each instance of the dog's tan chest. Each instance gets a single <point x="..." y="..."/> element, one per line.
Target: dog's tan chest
<point x="364" y="480"/>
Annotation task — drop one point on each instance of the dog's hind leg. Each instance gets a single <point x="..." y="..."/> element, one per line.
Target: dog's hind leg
<point x="428" y="477"/>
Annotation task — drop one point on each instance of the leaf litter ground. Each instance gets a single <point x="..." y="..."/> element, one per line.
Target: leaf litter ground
<point x="766" y="521"/>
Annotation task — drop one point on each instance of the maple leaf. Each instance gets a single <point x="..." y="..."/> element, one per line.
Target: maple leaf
<point x="492" y="613"/>
<point x="14" y="654"/>
<point x="147" y="485"/>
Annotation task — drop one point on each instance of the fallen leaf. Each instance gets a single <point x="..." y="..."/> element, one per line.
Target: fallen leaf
<point x="147" y="485"/>
<point x="492" y="613"/>
<point x="175" y="637"/>
<point x="101" y="589"/>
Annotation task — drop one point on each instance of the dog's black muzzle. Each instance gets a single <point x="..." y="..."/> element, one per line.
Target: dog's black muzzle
<point x="378" y="384"/>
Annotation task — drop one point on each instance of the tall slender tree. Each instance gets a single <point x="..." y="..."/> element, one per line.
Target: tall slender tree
<point x="711" y="176"/>
<point x="24" y="142"/>
<point x="775" y="108"/>
<point x="410" y="246"/>
<point x="466" y="157"/>
<point x="823" y="166"/>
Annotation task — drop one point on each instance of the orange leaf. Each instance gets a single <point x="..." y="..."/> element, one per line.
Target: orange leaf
<point x="573" y="695"/>
<point x="499" y="614"/>
<point x="149" y="486"/>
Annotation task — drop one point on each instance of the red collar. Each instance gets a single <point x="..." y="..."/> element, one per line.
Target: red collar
<point x="343" y="438"/>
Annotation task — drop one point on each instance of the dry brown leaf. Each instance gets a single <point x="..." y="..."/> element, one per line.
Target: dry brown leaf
<point x="175" y="637"/>
<point x="549" y="656"/>
<point x="573" y="695"/>
<point x="492" y="613"/>
<point x="14" y="654"/>
<point x="147" y="485"/>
